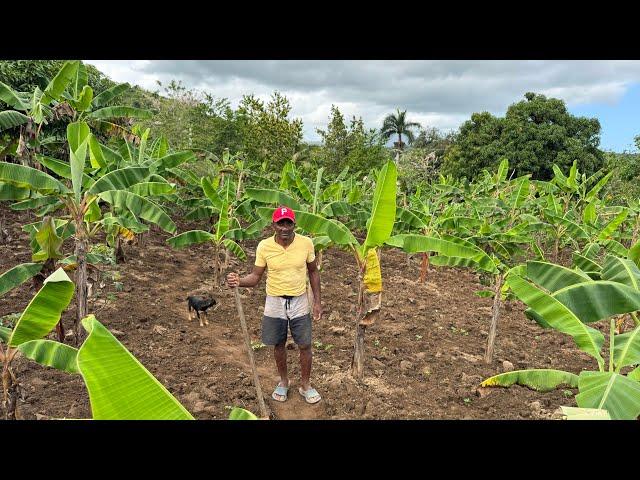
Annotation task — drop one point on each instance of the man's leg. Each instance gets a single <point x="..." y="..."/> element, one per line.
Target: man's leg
<point x="280" y="354"/>
<point x="306" y="356"/>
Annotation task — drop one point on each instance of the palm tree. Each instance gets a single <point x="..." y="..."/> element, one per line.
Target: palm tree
<point x="397" y="124"/>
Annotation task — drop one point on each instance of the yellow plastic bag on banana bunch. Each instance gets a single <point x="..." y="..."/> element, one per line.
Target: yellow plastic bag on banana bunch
<point x="373" y="288"/>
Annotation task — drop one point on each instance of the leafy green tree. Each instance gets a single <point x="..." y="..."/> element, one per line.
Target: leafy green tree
<point x="267" y="133"/>
<point x="397" y="124"/>
<point x="534" y="134"/>
<point x="352" y="146"/>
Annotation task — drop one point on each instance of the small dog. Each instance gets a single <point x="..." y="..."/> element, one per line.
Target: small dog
<point x="200" y="304"/>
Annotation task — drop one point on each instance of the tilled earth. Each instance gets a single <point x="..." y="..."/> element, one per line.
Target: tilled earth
<point x="424" y="356"/>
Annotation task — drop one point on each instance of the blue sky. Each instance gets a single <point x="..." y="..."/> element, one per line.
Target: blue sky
<point x="620" y="122"/>
<point x="435" y="93"/>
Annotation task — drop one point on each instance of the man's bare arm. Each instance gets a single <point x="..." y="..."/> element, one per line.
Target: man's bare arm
<point x="251" y="280"/>
<point x="314" y="280"/>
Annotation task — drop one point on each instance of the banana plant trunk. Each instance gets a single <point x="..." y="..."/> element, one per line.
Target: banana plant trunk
<point x="216" y="266"/>
<point x="119" y="251"/>
<point x="82" y="246"/>
<point x="357" y="364"/>
<point x="10" y="389"/>
<point x="425" y="267"/>
<point x="494" y="320"/>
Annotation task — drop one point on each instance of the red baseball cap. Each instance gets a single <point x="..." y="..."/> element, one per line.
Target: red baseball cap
<point x="283" y="212"/>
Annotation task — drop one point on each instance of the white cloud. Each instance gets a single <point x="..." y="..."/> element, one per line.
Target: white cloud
<point x="440" y="94"/>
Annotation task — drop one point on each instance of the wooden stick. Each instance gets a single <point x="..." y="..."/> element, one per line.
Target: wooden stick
<point x="256" y="380"/>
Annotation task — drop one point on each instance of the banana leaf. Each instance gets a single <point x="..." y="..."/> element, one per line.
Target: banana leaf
<point x="115" y="112"/>
<point x="11" y="119"/>
<point x="383" y="211"/>
<point x="542" y="380"/>
<point x="554" y="277"/>
<point x="140" y="207"/>
<point x="626" y="350"/>
<point x="617" y="394"/>
<point x="27" y="177"/>
<point x="119" y="386"/>
<point x="60" y="82"/>
<point x="276" y="197"/>
<point x="238" y="413"/>
<point x="576" y="413"/>
<point x="17" y="275"/>
<point x="622" y="271"/>
<point x="120" y="179"/>
<point x="109" y="94"/>
<point x="558" y="316"/>
<point x="191" y="237"/>
<point x="51" y="354"/>
<point x="44" y="310"/>
<point x="11" y="192"/>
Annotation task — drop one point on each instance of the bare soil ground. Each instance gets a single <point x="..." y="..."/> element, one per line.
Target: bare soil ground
<point x="424" y="355"/>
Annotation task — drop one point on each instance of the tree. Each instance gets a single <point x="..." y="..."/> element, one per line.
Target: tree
<point x="351" y="146"/>
<point x="398" y="125"/>
<point x="534" y="134"/>
<point x="266" y="131"/>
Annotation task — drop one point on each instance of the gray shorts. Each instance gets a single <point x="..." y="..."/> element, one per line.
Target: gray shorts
<point x="283" y="312"/>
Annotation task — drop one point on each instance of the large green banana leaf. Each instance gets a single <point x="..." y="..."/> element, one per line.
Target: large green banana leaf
<point x="11" y="192"/>
<point x="337" y="209"/>
<point x="48" y="241"/>
<point x="265" y="195"/>
<point x="113" y="112"/>
<point x="150" y="189"/>
<point x="593" y="193"/>
<point x="11" y="118"/>
<point x="586" y="265"/>
<point x="617" y="394"/>
<point x="78" y="135"/>
<point x="554" y="277"/>
<point x="613" y="225"/>
<point x="520" y="193"/>
<point x="109" y="94"/>
<point x="84" y="99"/>
<point x="626" y="350"/>
<point x="27" y="177"/>
<point x="119" y="386"/>
<point x="304" y="190"/>
<point x="140" y="207"/>
<point x="62" y="79"/>
<point x="409" y="218"/>
<point x="462" y="253"/>
<point x="575" y="230"/>
<point x="35" y="202"/>
<point x="615" y="247"/>
<point x="79" y="80"/>
<point x="622" y="271"/>
<point x="17" y="275"/>
<point x="317" y="225"/>
<point x="383" y="211"/>
<point x="558" y="316"/>
<point x="633" y="254"/>
<point x="44" y="310"/>
<point x="51" y="354"/>
<point x="11" y="98"/>
<point x="316" y="195"/>
<point x="542" y="380"/>
<point x="172" y="160"/>
<point x="62" y="169"/>
<point x="191" y="237"/>
<point x="234" y="248"/>
<point x="598" y="299"/>
<point x="120" y="179"/>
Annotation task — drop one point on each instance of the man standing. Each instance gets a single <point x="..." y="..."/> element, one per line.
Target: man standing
<point x="288" y="257"/>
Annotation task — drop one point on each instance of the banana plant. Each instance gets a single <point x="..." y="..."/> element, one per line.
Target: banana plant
<point x="568" y="300"/>
<point x="81" y="200"/>
<point x="119" y="386"/>
<point x="220" y="239"/>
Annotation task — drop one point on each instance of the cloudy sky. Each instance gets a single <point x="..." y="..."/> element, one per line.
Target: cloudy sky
<point x="436" y="93"/>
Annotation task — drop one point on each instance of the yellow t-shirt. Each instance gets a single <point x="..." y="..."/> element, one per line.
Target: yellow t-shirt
<point x="286" y="267"/>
